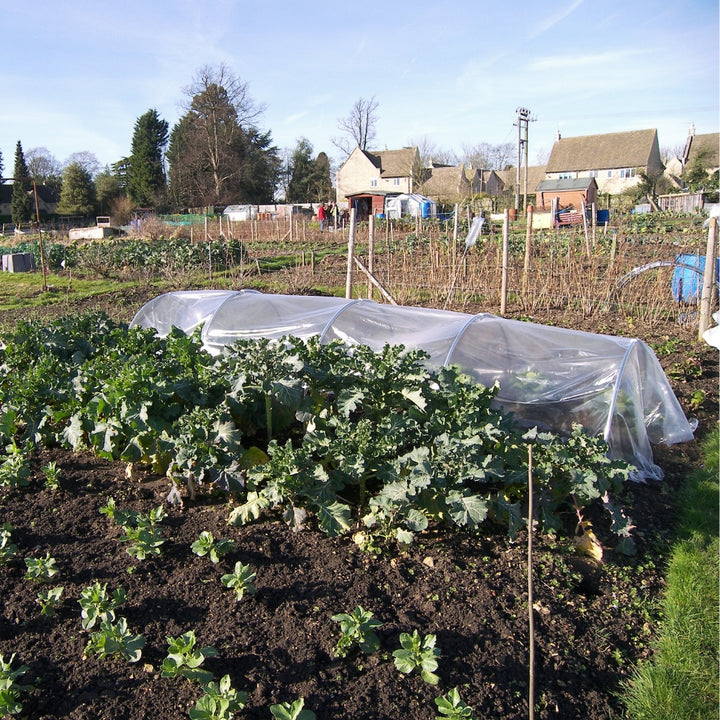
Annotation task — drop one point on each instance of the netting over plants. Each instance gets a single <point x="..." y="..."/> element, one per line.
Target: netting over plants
<point x="551" y="377"/>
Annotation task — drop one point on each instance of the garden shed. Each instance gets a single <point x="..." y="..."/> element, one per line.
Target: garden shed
<point x="547" y="376"/>
<point x="570" y="192"/>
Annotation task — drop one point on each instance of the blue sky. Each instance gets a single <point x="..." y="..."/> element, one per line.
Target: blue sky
<point x="77" y="74"/>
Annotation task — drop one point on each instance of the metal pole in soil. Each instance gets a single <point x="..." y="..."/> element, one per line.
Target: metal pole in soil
<point x="531" y="618"/>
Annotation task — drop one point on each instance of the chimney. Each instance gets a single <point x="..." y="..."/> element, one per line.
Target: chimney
<point x="557" y="135"/>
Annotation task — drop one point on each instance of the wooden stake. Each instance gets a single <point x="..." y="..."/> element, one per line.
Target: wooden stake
<point x="585" y="228"/>
<point x="374" y="281"/>
<point x="371" y="254"/>
<point x="505" y="253"/>
<point x="708" y="278"/>
<point x="528" y="243"/>
<point x="351" y="254"/>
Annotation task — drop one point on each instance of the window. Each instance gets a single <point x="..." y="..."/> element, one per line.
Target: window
<point x="373" y="182"/>
<point x="609" y="173"/>
<point x="627" y="173"/>
<point x="593" y="173"/>
<point x="565" y="176"/>
<point x="396" y="181"/>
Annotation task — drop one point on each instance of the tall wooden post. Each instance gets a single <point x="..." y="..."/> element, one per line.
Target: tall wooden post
<point x="528" y="241"/>
<point x="708" y="278"/>
<point x="505" y="253"/>
<point x="585" y="228"/>
<point x="371" y="253"/>
<point x="351" y="254"/>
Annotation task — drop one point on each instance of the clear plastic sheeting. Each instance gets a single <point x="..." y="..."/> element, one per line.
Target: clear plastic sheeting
<point x="548" y="377"/>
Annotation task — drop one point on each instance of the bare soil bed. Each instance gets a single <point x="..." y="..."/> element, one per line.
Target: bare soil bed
<point x="593" y="622"/>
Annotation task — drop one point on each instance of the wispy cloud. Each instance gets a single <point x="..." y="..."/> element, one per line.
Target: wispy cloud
<point x="565" y="62"/>
<point x="546" y="25"/>
<point x="290" y="119"/>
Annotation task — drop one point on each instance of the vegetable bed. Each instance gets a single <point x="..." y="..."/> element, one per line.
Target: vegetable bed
<point x="468" y="589"/>
<point x="464" y="585"/>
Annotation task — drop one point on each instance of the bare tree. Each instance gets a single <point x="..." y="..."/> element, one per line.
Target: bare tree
<point x="217" y="152"/>
<point x="489" y="157"/>
<point x="542" y="156"/>
<point x="358" y="127"/>
<point x="668" y="152"/>
<point x="87" y="161"/>
<point x="236" y="92"/>
<point x="220" y="106"/>
<point x="42" y="165"/>
<point x="430" y="153"/>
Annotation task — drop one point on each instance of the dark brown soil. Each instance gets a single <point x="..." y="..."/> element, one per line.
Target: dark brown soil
<point x="593" y="623"/>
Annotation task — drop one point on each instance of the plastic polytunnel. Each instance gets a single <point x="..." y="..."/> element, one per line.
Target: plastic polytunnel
<point x="550" y="377"/>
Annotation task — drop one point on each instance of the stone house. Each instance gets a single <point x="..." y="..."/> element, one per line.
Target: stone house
<point x="615" y="160"/>
<point x="377" y="173"/>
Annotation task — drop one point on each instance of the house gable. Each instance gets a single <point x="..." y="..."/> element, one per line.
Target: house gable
<point x="704" y="147"/>
<point x="384" y="171"/>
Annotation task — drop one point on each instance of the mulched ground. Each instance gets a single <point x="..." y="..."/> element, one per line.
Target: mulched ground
<point x="593" y="623"/>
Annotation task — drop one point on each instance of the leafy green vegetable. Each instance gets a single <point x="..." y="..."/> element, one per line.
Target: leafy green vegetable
<point x="41" y="569"/>
<point x="97" y="606"/>
<point x="451" y="707"/>
<point x="48" y="599"/>
<point x="358" y="629"/>
<point x="292" y="711"/>
<point x="219" y="702"/>
<point x="141" y="531"/>
<point x="240" y="580"/>
<point x="9" y="689"/>
<point x="183" y="659"/>
<point x="8" y="549"/>
<point x="418" y="653"/>
<point x="115" y="638"/>
<point x="207" y="545"/>
<point x="320" y="433"/>
<point x="15" y="467"/>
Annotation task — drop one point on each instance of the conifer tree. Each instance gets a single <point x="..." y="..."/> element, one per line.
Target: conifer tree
<point x="22" y="203"/>
<point x="300" y="187"/>
<point x="146" y="174"/>
<point x="78" y="195"/>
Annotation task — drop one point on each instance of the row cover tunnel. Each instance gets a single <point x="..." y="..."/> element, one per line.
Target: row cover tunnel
<point x="548" y="376"/>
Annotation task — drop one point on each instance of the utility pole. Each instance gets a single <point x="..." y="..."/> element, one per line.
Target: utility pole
<point x="523" y="118"/>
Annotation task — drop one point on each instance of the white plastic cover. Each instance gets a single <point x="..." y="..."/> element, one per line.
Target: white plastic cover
<point x="548" y="376"/>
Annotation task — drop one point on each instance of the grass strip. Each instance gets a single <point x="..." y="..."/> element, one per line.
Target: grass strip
<point x="681" y="682"/>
